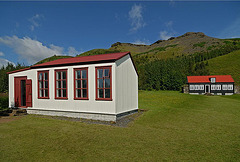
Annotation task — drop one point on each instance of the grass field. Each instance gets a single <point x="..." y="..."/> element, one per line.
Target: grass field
<point x="226" y="65"/>
<point x="176" y="127"/>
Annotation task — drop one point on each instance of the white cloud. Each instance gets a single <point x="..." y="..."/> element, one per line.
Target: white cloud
<point x="33" y="50"/>
<point x="141" y="42"/>
<point x="168" y="32"/>
<point x="35" y="21"/>
<point x="164" y="35"/>
<point x="1" y="53"/>
<point x="136" y="18"/>
<point x="4" y="62"/>
<point x="232" y="31"/>
<point x="73" y="52"/>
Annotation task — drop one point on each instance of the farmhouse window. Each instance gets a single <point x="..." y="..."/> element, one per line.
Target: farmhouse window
<point x="230" y="87"/>
<point x="196" y="87"/>
<point x="213" y="80"/>
<point x="201" y="87"/>
<point x="104" y="83"/>
<point x="43" y="84"/>
<point x="61" y="84"/>
<point x="212" y="87"/>
<point x="218" y="87"/>
<point x="81" y="83"/>
<point x="224" y="87"/>
<point x="192" y="87"/>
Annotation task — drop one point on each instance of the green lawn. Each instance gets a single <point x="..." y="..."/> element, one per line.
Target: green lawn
<point x="226" y="65"/>
<point x="176" y="127"/>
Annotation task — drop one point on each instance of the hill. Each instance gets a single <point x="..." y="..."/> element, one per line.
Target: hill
<point x="187" y="44"/>
<point x="227" y="64"/>
<point x="52" y="58"/>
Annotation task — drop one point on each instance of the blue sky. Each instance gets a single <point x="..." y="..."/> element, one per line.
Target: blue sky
<point x="32" y="31"/>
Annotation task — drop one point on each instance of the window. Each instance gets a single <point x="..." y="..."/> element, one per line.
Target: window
<point x="43" y="84"/>
<point x="81" y="83"/>
<point x="196" y="87"/>
<point x="201" y="87"/>
<point x="218" y="87"/>
<point x="224" y="87"/>
<point x="213" y="80"/>
<point x="212" y="87"/>
<point x="61" y="84"/>
<point x="103" y="83"/>
<point x="230" y="87"/>
<point x="192" y="87"/>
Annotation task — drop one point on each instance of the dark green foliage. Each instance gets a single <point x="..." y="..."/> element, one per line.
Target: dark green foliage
<point x="171" y="74"/>
<point x="4" y="75"/>
<point x="201" y="44"/>
<point x="3" y="103"/>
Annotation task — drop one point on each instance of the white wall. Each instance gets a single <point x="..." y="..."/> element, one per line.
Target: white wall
<point x="91" y="105"/>
<point x="126" y="85"/>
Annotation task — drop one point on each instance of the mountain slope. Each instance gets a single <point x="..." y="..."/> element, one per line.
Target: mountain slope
<point x="226" y="65"/>
<point x="52" y="58"/>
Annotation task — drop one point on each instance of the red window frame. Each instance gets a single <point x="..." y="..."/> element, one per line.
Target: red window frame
<point x="43" y="80"/>
<point x="75" y="79"/>
<point x="61" y="70"/>
<point x="96" y="80"/>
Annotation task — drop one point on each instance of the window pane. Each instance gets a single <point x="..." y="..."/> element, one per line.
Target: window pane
<point x="78" y="93"/>
<point x="78" y="83"/>
<point x="100" y="73"/>
<point x="84" y="83"/>
<point x="58" y="84"/>
<point x="40" y="76"/>
<point x="107" y="83"/>
<point x="64" y="74"/>
<point x="77" y="73"/>
<point x="58" y="75"/>
<point x="107" y="93"/>
<point x="100" y="83"/>
<point x="84" y="93"/>
<point x="84" y="74"/>
<point x="40" y="84"/>
<point x="46" y="76"/>
<point x="41" y="93"/>
<point x="100" y="93"/>
<point x="46" y="84"/>
<point x="59" y="94"/>
<point x="64" y="83"/>
<point x="106" y="72"/>
<point x="46" y="93"/>
<point x="64" y="94"/>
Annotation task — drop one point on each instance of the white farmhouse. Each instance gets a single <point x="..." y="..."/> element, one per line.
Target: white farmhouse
<point x="100" y="87"/>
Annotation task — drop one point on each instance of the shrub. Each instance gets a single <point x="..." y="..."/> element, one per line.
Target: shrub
<point x="3" y="103"/>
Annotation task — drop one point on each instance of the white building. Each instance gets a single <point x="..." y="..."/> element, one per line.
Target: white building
<point x="100" y="87"/>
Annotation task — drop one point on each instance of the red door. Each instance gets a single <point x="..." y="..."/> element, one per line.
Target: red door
<point x="22" y="92"/>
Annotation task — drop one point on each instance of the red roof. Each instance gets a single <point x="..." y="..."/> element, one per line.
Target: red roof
<point x="206" y="79"/>
<point x="84" y="59"/>
<point x="111" y="57"/>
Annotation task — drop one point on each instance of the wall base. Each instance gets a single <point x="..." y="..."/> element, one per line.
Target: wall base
<point x="84" y="115"/>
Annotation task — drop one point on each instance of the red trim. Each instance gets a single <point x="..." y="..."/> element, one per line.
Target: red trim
<point x="17" y="91"/>
<point x="61" y="70"/>
<point x="74" y="74"/>
<point x="43" y="79"/>
<point x="110" y="77"/>
<point x="15" y="71"/>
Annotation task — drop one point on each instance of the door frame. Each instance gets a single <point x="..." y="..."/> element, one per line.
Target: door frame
<point x="206" y="88"/>
<point x="16" y="92"/>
